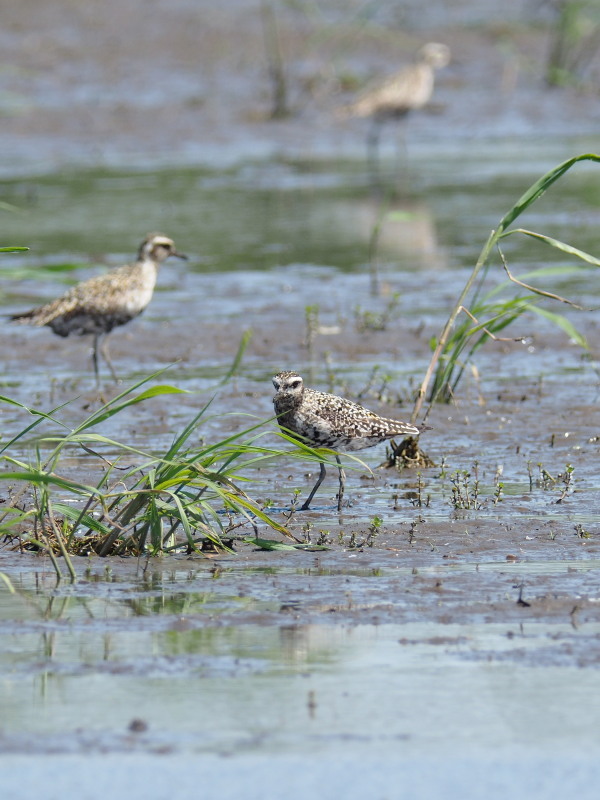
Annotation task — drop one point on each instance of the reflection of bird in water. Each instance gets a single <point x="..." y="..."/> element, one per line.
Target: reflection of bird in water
<point x="407" y="90"/>
<point x="98" y="305"/>
<point x="326" y="420"/>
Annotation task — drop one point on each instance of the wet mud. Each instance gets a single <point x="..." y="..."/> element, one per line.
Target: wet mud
<point x="442" y="610"/>
<point x="507" y="582"/>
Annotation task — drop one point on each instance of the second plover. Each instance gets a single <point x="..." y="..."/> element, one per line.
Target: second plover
<point x="407" y="90"/>
<point x="326" y="420"/>
<point x="96" y="306"/>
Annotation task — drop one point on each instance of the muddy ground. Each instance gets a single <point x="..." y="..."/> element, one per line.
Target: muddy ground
<point x="494" y="431"/>
<point x="506" y="592"/>
<point x="185" y="82"/>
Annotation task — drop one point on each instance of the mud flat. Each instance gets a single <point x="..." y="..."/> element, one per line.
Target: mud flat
<point x="437" y="646"/>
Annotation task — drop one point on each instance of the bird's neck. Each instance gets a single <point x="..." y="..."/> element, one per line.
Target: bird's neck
<point x="289" y="402"/>
<point x="148" y="266"/>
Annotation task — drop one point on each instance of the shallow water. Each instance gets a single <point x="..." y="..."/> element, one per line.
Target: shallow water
<point x="437" y="212"/>
<point x="80" y="663"/>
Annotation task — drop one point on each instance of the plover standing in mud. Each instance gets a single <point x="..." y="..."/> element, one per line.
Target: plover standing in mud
<point x="96" y="306"/>
<point x="407" y="90"/>
<point x="326" y="420"/>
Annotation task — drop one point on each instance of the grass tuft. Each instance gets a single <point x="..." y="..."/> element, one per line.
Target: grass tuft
<point x="182" y="497"/>
<point x="486" y="316"/>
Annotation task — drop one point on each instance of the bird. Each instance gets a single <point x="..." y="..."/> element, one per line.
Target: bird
<point x="96" y="306"/>
<point x="325" y="420"/>
<point x="407" y="90"/>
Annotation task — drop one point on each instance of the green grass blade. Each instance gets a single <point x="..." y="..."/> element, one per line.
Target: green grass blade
<point x="41" y="479"/>
<point x="110" y="409"/>
<point x="255" y="511"/>
<point x="182" y="516"/>
<point x="539" y="187"/>
<point x="565" y="324"/>
<point x="180" y="440"/>
<point x="49" y="416"/>
<point x="563" y="271"/>
<point x="245" y="340"/>
<point x="268" y="544"/>
<point x="74" y="515"/>
<point x="557" y="244"/>
<point x="61" y="542"/>
<point x="7" y="582"/>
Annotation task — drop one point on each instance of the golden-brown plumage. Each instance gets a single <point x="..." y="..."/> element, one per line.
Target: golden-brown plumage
<point x="407" y="90"/>
<point x="96" y="306"/>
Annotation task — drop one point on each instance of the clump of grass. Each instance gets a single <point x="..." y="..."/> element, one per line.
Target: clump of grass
<point x="366" y="320"/>
<point x="485" y="316"/>
<point x="412" y="533"/>
<point x="498" y="492"/>
<point x="575" y="41"/>
<point x="564" y="481"/>
<point x="356" y="543"/>
<point x="374" y="529"/>
<point x="189" y="492"/>
<point x="545" y="480"/>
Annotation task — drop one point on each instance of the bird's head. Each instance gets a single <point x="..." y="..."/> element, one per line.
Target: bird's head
<point x="435" y="54"/>
<point x="289" y="387"/>
<point x="157" y="247"/>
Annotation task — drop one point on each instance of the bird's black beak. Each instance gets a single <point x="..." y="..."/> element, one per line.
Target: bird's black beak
<point x="179" y="255"/>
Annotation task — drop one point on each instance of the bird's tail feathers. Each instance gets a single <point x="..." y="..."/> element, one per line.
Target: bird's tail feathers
<point x="24" y="316"/>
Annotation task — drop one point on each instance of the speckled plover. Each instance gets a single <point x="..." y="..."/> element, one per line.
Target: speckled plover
<point x="96" y="306"/>
<point x="326" y="420"/>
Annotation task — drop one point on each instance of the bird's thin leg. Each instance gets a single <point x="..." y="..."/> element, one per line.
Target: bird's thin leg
<point x="342" y="482"/>
<point x="95" y="359"/>
<point x="373" y="138"/>
<point x="402" y="155"/>
<point x="104" y="351"/>
<point x="306" y="505"/>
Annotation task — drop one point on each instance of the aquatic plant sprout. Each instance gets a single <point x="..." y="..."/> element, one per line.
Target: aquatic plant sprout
<point x="487" y="317"/>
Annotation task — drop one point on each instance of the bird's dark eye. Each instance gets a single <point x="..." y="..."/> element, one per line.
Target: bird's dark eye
<point x="296" y="384"/>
